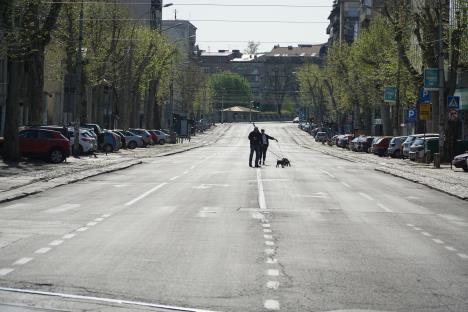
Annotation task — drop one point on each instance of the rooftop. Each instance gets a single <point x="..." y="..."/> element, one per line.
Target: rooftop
<point x="303" y="50"/>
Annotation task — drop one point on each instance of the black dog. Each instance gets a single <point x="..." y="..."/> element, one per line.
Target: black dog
<point x="283" y="163"/>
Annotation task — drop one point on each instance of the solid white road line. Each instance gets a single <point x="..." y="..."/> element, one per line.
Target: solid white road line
<point x="261" y="194"/>
<point x="68" y="236"/>
<point x="56" y="242"/>
<point x="368" y="197"/>
<point x="6" y="271"/>
<point x="100" y="299"/>
<point x="272" y="285"/>
<point x="450" y="248"/>
<point x="154" y="189"/>
<point x="43" y="250"/>
<point x="271" y="305"/>
<point x="23" y="261"/>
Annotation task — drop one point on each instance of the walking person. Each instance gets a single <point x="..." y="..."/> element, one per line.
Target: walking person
<point x="255" y="147"/>
<point x="264" y="144"/>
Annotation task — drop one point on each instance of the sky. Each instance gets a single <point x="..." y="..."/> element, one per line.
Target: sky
<point x="213" y="36"/>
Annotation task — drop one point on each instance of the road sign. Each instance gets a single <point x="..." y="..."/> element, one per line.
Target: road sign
<point x="453" y="114"/>
<point x="431" y="79"/>
<point x="390" y="94"/>
<point x="453" y="102"/>
<point x="425" y="96"/>
<point x="411" y="115"/>
<point x="424" y="111"/>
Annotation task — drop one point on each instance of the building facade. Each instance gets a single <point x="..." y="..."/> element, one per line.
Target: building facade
<point x="344" y="20"/>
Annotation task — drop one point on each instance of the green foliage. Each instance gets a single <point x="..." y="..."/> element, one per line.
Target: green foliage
<point x="230" y="89"/>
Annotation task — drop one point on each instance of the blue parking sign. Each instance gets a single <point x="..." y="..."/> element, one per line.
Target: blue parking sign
<point x="425" y="96"/>
<point x="411" y="115"/>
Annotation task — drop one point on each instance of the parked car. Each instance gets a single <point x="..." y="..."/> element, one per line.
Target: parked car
<point x="381" y="145"/>
<point x="123" y="142"/>
<point x="394" y="147"/>
<point x="410" y="140"/>
<point x="97" y="130"/>
<point x="63" y="130"/>
<point x="88" y="143"/>
<point x="367" y="144"/>
<point x="111" y="142"/>
<point x="353" y="144"/>
<point x="374" y="141"/>
<point x="296" y="120"/>
<point x="344" y="139"/>
<point x="461" y="161"/>
<point x="147" y="139"/>
<point x="42" y="143"/>
<point x="320" y="136"/>
<point x="133" y="140"/>
<point x="161" y="137"/>
<point x="424" y="148"/>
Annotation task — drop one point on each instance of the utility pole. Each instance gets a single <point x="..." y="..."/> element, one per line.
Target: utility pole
<point x="442" y="106"/>
<point x="79" y="70"/>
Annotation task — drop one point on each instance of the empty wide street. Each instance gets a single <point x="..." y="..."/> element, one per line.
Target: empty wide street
<point x="201" y="230"/>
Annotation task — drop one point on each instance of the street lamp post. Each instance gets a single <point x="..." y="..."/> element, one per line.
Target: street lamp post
<point x="79" y="69"/>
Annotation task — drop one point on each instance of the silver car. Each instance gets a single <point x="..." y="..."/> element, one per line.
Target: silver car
<point x="410" y="140"/>
<point x="394" y="147"/>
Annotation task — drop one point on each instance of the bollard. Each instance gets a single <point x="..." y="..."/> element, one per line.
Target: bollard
<point x="436" y="160"/>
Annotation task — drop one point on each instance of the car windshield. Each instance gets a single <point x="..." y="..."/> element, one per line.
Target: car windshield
<point x="418" y="142"/>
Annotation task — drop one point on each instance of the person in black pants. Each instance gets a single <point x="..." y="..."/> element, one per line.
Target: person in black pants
<point x="255" y="146"/>
<point x="265" y="141"/>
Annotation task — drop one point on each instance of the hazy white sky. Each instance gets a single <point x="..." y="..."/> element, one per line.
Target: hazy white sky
<point x="228" y="35"/>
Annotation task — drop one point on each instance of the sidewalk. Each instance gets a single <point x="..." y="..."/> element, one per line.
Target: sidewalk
<point x="34" y="176"/>
<point x="451" y="181"/>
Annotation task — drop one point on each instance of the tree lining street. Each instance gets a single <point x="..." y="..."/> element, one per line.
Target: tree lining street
<point x="203" y="230"/>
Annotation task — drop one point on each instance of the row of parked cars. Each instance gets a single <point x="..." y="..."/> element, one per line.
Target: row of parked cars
<point x="413" y="147"/>
<point x="55" y="143"/>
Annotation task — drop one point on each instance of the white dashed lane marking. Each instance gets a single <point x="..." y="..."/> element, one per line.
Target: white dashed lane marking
<point x="438" y="241"/>
<point x="384" y="208"/>
<point x="346" y="184"/>
<point x="56" y="242"/>
<point x="270" y="251"/>
<point x="426" y="234"/>
<point x="91" y="223"/>
<point x="68" y="236"/>
<point x="266" y="225"/>
<point x="82" y="229"/>
<point x="271" y="260"/>
<point x="328" y="173"/>
<point x="145" y="194"/>
<point x="98" y="219"/>
<point x="272" y="285"/>
<point x="266" y="231"/>
<point x="368" y="197"/>
<point x="43" y="250"/>
<point x="450" y="248"/>
<point x="272" y="305"/>
<point x="22" y="261"/>
<point x="270" y="243"/>
<point x="6" y="271"/>
<point x="106" y="215"/>
<point x="268" y="236"/>
<point x="272" y="272"/>
<point x="462" y="255"/>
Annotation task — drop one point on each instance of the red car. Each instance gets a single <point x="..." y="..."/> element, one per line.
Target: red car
<point x="42" y="143"/>
<point x="380" y="147"/>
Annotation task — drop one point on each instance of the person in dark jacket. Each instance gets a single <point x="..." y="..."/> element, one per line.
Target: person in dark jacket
<point x="255" y="147"/>
<point x="265" y="141"/>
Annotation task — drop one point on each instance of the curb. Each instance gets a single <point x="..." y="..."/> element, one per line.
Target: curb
<point x="385" y="171"/>
<point x="44" y="185"/>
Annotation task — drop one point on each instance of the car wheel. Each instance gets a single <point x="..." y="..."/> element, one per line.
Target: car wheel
<point x="108" y="148"/>
<point x="56" y="156"/>
<point x="132" y="145"/>
<point x="162" y="142"/>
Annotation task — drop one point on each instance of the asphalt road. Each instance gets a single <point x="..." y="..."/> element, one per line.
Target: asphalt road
<point x="202" y="230"/>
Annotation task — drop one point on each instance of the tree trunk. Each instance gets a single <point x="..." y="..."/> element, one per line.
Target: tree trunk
<point x="35" y="86"/>
<point x="11" y="150"/>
